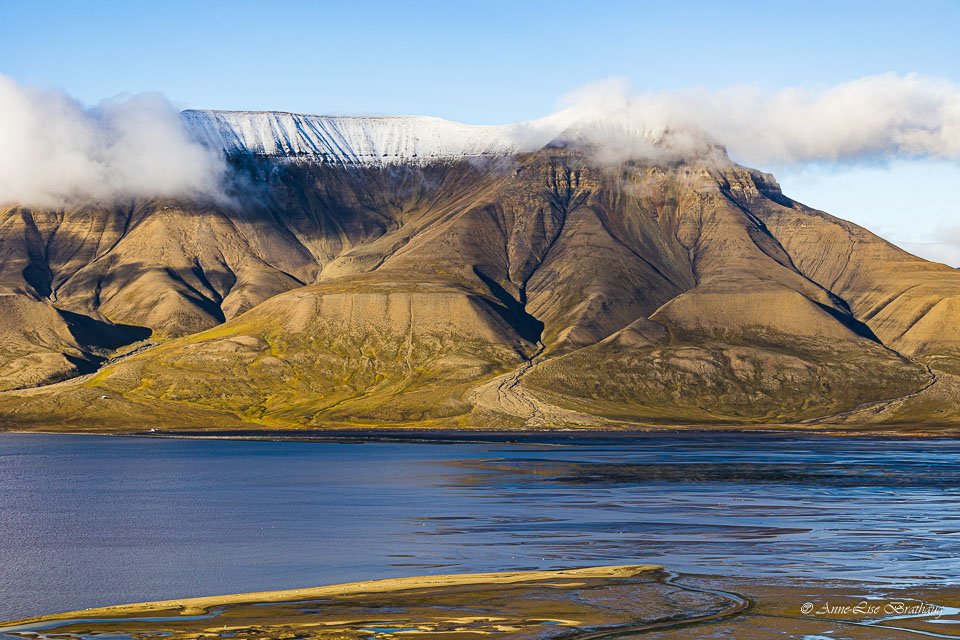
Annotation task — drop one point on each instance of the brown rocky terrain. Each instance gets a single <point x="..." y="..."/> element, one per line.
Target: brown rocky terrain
<point x="538" y="290"/>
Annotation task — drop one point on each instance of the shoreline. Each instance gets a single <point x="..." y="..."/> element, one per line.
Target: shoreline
<point x="586" y="603"/>
<point x="559" y="436"/>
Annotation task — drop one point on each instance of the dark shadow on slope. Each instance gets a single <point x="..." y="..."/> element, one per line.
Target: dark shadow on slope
<point x="38" y="276"/>
<point x="512" y="310"/>
<point x="90" y="332"/>
<point x="777" y="196"/>
<point x="850" y="322"/>
<point x="208" y="305"/>
<point x="83" y="365"/>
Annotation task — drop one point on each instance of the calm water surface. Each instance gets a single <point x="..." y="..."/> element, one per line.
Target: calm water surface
<point x="87" y="521"/>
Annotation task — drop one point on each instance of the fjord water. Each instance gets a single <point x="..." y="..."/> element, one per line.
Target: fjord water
<point x="88" y="521"/>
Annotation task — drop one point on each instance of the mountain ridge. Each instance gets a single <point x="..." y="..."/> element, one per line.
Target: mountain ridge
<point x="344" y="139"/>
<point x="543" y="289"/>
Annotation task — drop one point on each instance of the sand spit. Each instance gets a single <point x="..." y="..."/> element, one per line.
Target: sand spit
<point x="195" y="606"/>
<point x="583" y="604"/>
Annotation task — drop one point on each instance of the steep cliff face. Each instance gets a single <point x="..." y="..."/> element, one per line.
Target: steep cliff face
<point x="476" y="286"/>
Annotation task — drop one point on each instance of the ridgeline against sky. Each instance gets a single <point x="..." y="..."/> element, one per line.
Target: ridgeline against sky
<point x="494" y="64"/>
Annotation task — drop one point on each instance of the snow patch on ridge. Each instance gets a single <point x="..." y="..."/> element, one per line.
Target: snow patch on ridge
<point x="352" y="140"/>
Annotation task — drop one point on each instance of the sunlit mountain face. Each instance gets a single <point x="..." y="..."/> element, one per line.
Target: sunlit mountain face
<point x="414" y="271"/>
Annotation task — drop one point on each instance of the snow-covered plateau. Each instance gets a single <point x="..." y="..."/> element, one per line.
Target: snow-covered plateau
<point x="367" y="140"/>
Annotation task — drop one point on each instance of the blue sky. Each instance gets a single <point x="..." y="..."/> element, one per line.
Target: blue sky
<point x="499" y="62"/>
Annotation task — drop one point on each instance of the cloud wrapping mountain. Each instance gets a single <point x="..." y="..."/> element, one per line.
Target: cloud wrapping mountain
<point x="56" y="151"/>
<point x="867" y="119"/>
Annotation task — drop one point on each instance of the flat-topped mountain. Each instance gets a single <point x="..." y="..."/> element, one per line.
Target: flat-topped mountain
<point x="363" y="140"/>
<point x="384" y="271"/>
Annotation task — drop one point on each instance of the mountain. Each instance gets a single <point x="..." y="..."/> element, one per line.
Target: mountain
<point x="348" y="140"/>
<point x="404" y="271"/>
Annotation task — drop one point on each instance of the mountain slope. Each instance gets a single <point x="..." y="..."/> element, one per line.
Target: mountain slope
<point x="475" y="287"/>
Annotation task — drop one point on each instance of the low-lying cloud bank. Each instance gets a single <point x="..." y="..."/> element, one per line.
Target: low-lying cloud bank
<point x="868" y="119"/>
<point x="54" y="151"/>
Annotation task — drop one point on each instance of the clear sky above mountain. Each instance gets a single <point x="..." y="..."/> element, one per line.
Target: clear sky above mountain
<point x="499" y="62"/>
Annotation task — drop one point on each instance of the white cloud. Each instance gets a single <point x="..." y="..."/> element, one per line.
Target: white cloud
<point x="945" y="248"/>
<point x="54" y="151"/>
<point x="874" y="117"/>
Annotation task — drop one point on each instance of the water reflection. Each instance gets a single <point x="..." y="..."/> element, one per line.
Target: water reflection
<point x="91" y="521"/>
<point x="873" y="510"/>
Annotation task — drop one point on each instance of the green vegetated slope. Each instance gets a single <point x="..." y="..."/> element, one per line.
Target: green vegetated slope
<point x="536" y="291"/>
